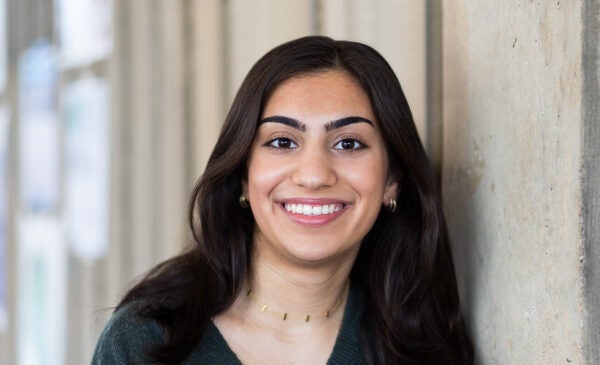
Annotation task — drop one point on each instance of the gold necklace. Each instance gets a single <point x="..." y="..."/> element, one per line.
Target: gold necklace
<point x="265" y="308"/>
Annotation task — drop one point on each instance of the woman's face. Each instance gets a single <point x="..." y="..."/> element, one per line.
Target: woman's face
<point x="317" y="170"/>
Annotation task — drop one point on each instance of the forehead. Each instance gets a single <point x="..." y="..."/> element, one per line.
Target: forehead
<point x="333" y="93"/>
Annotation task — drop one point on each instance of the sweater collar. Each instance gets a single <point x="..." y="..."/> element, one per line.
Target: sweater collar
<point x="348" y="348"/>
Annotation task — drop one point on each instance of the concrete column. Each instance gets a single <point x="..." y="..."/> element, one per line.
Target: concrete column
<point x="520" y="175"/>
<point x="116" y="265"/>
<point x="172" y="197"/>
<point x="143" y="79"/>
<point x="591" y="180"/>
<point x="254" y="27"/>
<point x="207" y="108"/>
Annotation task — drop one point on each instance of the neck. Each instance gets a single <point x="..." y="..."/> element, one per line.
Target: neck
<point x="303" y="301"/>
<point x="289" y="296"/>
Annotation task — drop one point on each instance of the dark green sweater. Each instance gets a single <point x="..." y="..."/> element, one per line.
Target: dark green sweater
<point x="127" y="335"/>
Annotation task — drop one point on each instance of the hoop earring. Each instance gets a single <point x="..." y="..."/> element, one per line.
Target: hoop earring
<point x="392" y="205"/>
<point x="244" y="202"/>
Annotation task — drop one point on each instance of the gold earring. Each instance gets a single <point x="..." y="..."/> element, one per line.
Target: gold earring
<point x="392" y="205"/>
<point x="244" y="202"/>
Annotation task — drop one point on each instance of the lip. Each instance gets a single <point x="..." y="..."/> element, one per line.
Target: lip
<point x="318" y="219"/>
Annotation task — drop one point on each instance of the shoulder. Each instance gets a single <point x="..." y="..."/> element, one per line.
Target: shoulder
<point x="126" y="337"/>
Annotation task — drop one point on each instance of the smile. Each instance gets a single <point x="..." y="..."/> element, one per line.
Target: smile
<point x="313" y="210"/>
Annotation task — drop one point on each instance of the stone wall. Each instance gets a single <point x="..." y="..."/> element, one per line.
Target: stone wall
<point x="514" y="139"/>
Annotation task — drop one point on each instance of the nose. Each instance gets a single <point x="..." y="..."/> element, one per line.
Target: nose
<point x="314" y="169"/>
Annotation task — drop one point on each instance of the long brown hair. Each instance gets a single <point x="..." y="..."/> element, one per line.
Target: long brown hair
<point x="404" y="271"/>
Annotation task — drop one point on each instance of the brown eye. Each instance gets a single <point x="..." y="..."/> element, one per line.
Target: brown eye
<point x="348" y="145"/>
<point x="284" y="143"/>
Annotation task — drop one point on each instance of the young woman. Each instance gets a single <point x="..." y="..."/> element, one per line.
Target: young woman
<point x="318" y="231"/>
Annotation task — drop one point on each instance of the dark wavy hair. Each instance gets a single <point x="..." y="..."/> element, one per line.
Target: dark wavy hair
<point x="404" y="271"/>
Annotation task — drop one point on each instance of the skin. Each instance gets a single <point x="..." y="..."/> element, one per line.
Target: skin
<point x="319" y="147"/>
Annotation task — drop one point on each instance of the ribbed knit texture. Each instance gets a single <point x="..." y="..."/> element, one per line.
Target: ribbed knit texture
<point x="127" y="335"/>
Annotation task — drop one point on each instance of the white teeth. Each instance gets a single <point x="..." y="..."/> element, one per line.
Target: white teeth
<point x="307" y="209"/>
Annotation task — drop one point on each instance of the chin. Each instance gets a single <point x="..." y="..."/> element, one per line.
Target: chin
<point x="316" y="254"/>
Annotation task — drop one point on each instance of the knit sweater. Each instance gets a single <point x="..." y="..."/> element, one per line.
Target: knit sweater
<point x="127" y="335"/>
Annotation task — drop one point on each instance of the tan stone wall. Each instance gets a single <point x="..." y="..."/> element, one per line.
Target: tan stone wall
<point x="511" y="175"/>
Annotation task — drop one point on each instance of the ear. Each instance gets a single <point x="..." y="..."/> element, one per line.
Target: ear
<point x="392" y="188"/>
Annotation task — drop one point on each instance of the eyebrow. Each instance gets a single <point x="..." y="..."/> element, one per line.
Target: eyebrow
<point x="334" y="124"/>
<point x="284" y="120"/>
<point x="339" y="123"/>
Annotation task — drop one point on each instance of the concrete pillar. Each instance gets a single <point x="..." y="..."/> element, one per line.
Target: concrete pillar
<point x="143" y="78"/>
<point x="207" y="106"/>
<point x="520" y="175"/>
<point x="172" y="185"/>
<point x="590" y="180"/>
<point x="254" y="27"/>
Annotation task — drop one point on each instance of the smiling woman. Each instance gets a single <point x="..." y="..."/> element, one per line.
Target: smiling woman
<point x="318" y="231"/>
<point x="325" y="153"/>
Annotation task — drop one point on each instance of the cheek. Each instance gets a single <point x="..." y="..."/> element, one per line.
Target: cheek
<point x="367" y="177"/>
<point x="263" y="177"/>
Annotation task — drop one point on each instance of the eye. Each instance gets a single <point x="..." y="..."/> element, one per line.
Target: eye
<point x="281" y="142"/>
<point x="349" y="144"/>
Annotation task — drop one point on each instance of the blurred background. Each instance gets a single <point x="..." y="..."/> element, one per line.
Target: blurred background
<point x="109" y="110"/>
